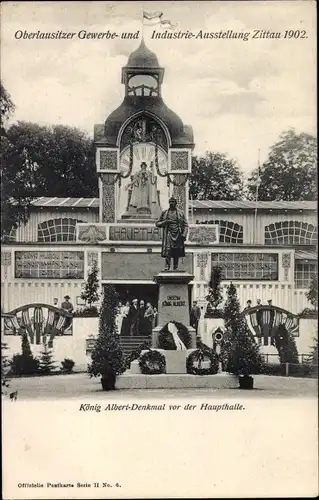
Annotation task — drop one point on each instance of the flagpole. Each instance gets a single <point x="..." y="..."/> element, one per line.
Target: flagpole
<point x="257" y="192"/>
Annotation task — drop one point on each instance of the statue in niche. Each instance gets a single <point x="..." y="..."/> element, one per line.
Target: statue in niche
<point x="143" y="195"/>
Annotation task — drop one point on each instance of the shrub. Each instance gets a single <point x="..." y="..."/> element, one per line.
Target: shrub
<point x="25" y="363"/>
<point x="46" y="363"/>
<point x="21" y="365"/>
<point x="67" y="365"/>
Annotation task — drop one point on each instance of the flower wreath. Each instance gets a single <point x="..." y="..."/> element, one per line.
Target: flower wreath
<point x="166" y="339"/>
<point x="152" y="363"/>
<point x="199" y="356"/>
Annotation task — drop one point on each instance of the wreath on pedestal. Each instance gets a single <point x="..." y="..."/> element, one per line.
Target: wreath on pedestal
<point x="199" y="356"/>
<point x="167" y="339"/>
<point x="152" y="363"/>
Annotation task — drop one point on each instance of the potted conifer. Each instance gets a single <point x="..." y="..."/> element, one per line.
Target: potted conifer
<point x="107" y="355"/>
<point x="243" y="356"/>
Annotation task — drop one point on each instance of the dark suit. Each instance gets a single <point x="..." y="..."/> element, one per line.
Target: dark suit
<point x="195" y="317"/>
<point x="134" y="317"/>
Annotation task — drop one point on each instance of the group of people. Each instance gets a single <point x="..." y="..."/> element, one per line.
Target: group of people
<point x="136" y="318"/>
<point x="249" y="303"/>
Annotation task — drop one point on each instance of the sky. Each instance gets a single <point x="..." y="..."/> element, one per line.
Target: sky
<point x="237" y="95"/>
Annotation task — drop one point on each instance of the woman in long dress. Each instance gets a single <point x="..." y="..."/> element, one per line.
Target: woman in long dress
<point x="125" y="328"/>
<point x="119" y="318"/>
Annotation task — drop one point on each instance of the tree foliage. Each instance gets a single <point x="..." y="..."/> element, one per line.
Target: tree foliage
<point x="290" y="171"/>
<point x="214" y="297"/>
<point x="62" y="157"/>
<point x="15" y="193"/>
<point x="240" y="348"/>
<point x="286" y="346"/>
<point x="24" y="363"/>
<point x="5" y="368"/>
<point x="312" y="294"/>
<point x="46" y="363"/>
<point x="90" y="292"/>
<point x="215" y="177"/>
<point x="107" y="351"/>
<point x="43" y="161"/>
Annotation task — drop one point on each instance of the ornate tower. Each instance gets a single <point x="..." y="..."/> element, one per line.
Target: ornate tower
<point x="143" y="151"/>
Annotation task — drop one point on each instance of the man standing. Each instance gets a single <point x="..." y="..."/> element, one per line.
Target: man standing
<point x="68" y="307"/>
<point x="175" y="227"/>
<point x="195" y="316"/>
<point x="134" y="316"/>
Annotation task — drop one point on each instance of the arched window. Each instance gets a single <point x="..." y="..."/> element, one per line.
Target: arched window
<point x="229" y="232"/>
<point x="57" y="230"/>
<point x="290" y="232"/>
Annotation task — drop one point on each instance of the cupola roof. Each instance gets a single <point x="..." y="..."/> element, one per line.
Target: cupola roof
<point x="142" y="57"/>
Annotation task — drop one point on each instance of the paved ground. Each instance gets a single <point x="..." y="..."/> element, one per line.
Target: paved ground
<point x="81" y="386"/>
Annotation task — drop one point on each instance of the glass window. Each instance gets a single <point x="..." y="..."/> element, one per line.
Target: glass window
<point x="229" y="232"/>
<point x="66" y="265"/>
<point x="57" y="230"/>
<point x="290" y="233"/>
<point x="247" y="266"/>
<point x="142" y="85"/>
<point x="303" y="273"/>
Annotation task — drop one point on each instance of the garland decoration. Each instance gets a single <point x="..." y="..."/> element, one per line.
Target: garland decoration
<point x="174" y="336"/>
<point x="199" y="356"/>
<point x="152" y="363"/>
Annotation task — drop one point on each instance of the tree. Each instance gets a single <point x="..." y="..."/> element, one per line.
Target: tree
<point x="25" y="363"/>
<point x="286" y="346"/>
<point x="5" y="368"/>
<point x="240" y="348"/>
<point x="312" y="294"/>
<point x="91" y="289"/>
<point x="63" y="158"/>
<point x="290" y="171"/>
<point x="15" y="175"/>
<point x="215" y="296"/>
<point x="107" y="351"/>
<point x="7" y="106"/>
<point x="47" y="365"/>
<point x="215" y="177"/>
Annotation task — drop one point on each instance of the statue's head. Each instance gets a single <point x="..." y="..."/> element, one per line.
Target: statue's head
<point x="172" y="202"/>
<point x="143" y="166"/>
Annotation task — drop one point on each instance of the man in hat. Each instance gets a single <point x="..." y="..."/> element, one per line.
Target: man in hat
<point x="175" y="227"/>
<point x="68" y="307"/>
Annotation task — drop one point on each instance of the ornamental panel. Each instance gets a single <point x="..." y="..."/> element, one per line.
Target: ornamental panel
<point x="48" y="265"/>
<point x="92" y="258"/>
<point x="202" y="262"/>
<point x="179" y="160"/>
<point x="92" y="233"/>
<point x="286" y="263"/>
<point x="108" y="197"/>
<point x="108" y="160"/>
<point x="203" y="235"/>
<point x="143" y="129"/>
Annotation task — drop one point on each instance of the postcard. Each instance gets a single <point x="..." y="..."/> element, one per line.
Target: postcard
<point x="159" y="291"/>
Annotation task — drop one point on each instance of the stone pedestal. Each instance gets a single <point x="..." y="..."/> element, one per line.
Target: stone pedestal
<point x="173" y="303"/>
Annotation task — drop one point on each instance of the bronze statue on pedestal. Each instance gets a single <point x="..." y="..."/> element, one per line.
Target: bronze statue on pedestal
<point x="175" y="228"/>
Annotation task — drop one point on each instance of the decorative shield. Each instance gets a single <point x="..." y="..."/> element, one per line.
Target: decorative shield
<point x="39" y="321"/>
<point x="264" y="321"/>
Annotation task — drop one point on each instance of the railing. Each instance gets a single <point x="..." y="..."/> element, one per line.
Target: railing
<point x="291" y="370"/>
<point x="39" y="320"/>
